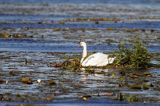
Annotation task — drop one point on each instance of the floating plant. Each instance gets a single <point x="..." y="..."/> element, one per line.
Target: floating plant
<point x="26" y="80"/>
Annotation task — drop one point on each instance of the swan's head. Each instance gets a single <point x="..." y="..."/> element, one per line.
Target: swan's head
<point x="82" y="44"/>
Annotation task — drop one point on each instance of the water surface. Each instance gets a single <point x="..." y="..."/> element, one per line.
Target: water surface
<point x="50" y="39"/>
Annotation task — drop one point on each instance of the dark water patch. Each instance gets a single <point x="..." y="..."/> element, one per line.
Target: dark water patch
<point x="131" y="25"/>
<point x="71" y="102"/>
<point x="57" y="46"/>
<point x="156" y="71"/>
<point x="32" y="18"/>
<point x="47" y="18"/>
<point x="49" y="47"/>
<point x="27" y="40"/>
<point x="153" y="48"/>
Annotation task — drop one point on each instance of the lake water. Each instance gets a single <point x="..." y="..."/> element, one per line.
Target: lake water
<point x="49" y="31"/>
<point x="84" y="1"/>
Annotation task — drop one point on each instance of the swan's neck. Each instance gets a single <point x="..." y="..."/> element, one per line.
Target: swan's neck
<point x="84" y="53"/>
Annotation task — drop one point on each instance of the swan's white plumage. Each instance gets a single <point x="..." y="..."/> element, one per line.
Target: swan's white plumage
<point x="97" y="59"/>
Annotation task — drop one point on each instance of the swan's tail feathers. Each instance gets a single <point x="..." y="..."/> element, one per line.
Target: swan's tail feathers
<point x="111" y="60"/>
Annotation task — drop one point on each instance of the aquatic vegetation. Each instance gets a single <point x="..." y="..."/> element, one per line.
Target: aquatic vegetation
<point x="109" y="41"/>
<point x="49" y="98"/>
<point x="110" y="29"/>
<point x="17" y="35"/>
<point x="62" y="22"/>
<point x="4" y="35"/>
<point x="136" y="75"/>
<point x="136" y="57"/>
<point x="23" y="104"/>
<point x="29" y="105"/>
<point x="127" y="97"/>
<point x="96" y="20"/>
<point x="51" y="82"/>
<point x="131" y="98"/>
<point x="5" y="97"/>
<point x="144" y="86"/>
<point x="90" y="70"/>
<point x="131" y="30"/>
<point x="26" y="80"/>
<point x="57" y="29"/>
<point x="86" y="97"/>
<point x="140" y="57"/>
<point x="2" y="81"/>
<point x="71" y="64"/>
<point x="13" y="73"/>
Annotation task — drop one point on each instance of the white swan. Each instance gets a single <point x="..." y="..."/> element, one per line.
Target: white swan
<point x="97" y="59"/>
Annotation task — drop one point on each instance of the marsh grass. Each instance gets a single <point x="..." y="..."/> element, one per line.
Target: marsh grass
<point x="136" y="56"/>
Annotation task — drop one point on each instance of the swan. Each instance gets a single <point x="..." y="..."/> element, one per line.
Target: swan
<point x="96" y="59"/>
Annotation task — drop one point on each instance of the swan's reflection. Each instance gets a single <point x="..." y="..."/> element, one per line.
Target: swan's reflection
<point x="95" y="76"/>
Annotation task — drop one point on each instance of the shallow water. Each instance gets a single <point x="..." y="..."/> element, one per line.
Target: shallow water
<point x="30" y="45"/>
<point x="132" y="25"/>
<point x="104" y="83"/>
<point x="50" y="38"/>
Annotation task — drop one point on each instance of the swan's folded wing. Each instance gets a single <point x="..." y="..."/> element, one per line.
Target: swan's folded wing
<point x="89" y="61"/>
<point x="97" y="59"/>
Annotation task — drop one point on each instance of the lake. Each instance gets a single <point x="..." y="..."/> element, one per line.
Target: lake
<point x="36" y="35"/>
